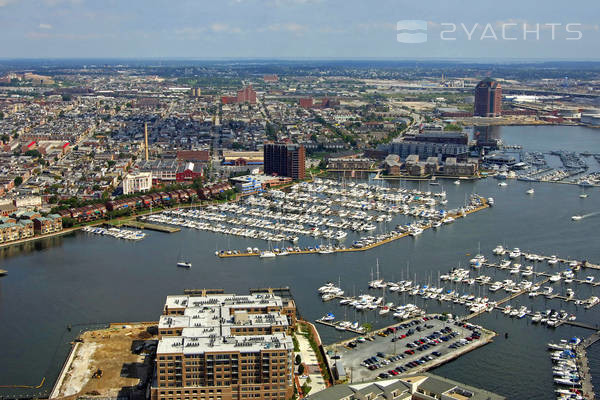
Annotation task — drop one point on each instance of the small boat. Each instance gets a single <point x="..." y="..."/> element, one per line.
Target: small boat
<point x="583" y="195"/>
<point x="3" y="272"/>
<point x="184" y="264"/>
<point x="530" y="191"/>
<point x="576" y="217"/>
<point x="328" y="317"/>
<point x="267" y="254"/>
<point x="502" y="184"/>
<point x="457" y="182"/>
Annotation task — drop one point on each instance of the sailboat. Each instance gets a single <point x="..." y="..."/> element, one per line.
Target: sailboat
<point x="182" y="263"/>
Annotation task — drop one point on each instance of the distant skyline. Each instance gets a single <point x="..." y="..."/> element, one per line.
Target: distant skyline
<point x="300" y="29"/>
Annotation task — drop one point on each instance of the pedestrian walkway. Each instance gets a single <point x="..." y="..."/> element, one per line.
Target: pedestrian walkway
<point x="309" y="358"/>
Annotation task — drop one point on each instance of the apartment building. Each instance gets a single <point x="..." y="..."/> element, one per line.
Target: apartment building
<point x="223" y="346"/>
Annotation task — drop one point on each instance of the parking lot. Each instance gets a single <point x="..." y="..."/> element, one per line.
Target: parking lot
<point x="408" y="347"/>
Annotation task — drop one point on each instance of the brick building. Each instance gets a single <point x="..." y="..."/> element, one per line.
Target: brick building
<point x="225" y="346"/>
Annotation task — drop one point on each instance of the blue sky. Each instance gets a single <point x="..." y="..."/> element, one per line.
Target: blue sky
<point x="297" y="29"/>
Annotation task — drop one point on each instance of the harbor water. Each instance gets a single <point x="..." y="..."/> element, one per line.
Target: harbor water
<point x="82" y="279"/>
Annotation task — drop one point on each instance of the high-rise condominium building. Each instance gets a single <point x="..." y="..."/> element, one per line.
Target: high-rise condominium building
<point x="284" y="160"/>
<point x="224" y="346"/>
<point x="488" y="98"/>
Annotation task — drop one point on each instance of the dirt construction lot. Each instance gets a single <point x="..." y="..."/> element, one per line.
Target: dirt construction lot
<point x="111" y="362"/>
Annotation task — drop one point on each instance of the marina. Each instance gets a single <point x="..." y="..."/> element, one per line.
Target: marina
<point x="146" y="269"/>
<point x="324" y="210"/>
<point x="119" y="233"/>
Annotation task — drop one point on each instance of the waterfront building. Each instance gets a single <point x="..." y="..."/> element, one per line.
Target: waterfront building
<point x="349" y="163"/>
<point x="488" y="98"/>
<point x="225" y="346"/>
<point x="487" y="137"/>
<point x="454" y="168"/>
<point x="425" y="149"/>
<point x="11" y="230"/>
<point x="284" y="160"/>
<point x="49" y="224"/>
<point x="249" y="184"/>
<point x="137" y="182"/>
<point x="422" y="386"/>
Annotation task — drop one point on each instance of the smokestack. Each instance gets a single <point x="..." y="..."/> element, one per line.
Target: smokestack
<point x="146" y="139"/>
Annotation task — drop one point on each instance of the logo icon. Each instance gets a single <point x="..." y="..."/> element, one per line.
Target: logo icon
<point x="411" y="31"/>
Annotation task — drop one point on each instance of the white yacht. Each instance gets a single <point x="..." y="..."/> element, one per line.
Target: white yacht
<point x="499" y="250"/>
<point x="515" y="253"/>
<point x="530" y="191"/>
<point x="184" y="264"/>
<point x="552" y="260"/>
<point x="555" y="278"/>
<point x="267" y="254"/>
<point x="576" y="217"/>
<point x="457" y="182"/>
<point x="502" y="184"/>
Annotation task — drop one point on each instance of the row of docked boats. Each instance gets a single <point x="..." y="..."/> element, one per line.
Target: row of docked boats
<point x="565" y="369"/>
<point x="355" y="327"/>
<point x="115" y="232"/>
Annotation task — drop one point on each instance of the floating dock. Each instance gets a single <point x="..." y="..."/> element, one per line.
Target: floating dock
<point x="152" y="227"/>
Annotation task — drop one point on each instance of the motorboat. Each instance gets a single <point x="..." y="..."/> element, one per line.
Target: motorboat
<point x="184" y="264"/>
<point x="530" y="191"/>
<point x="515" y="253"/>
<point x="499" y="250"/>
<point x="328" y="317"/>
<point x="576" y="217"/>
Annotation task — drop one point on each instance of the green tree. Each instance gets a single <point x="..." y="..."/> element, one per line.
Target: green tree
<point x="18" y="180"/>
<point x="33" y="153"/>
<point x="68" y="222"/>
<point x="453" y="127"/>
<point x="298" y="359"/>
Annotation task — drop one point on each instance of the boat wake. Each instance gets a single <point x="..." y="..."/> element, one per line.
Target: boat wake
<point x="590" y="214"/>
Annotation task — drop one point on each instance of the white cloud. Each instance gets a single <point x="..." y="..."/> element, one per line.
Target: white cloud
<point x="287" y="27"/>
<point x="45" y="26"/>
<point x="4" y="3"/>
<point x="58" y="2"/>
<point x="224" y="28"/>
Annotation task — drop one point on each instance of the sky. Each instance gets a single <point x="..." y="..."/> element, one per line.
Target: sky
<point x="318" y="29"/>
